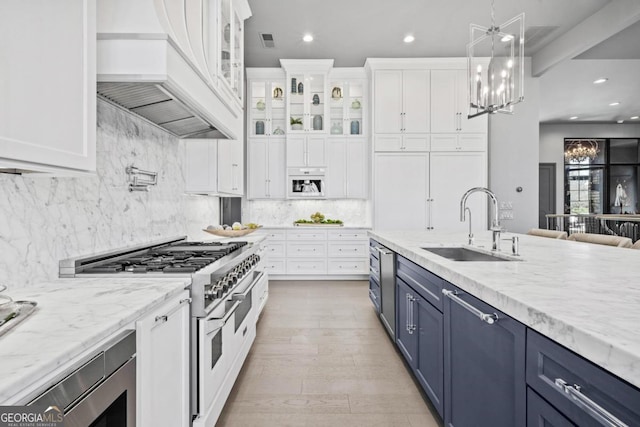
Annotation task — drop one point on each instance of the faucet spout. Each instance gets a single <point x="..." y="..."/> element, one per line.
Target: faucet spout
<point x="495" y="225"/>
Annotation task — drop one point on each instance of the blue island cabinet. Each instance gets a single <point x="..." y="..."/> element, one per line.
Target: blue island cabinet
<point x="420" y="327"/>
<point x="484" y="364"/>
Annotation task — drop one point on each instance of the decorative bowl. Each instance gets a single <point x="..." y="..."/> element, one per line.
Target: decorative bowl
<point x="231" y="233"/>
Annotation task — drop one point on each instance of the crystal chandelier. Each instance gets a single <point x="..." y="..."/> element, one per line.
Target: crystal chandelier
<point x="496" y="66"/>
<point x="579" y="150"/>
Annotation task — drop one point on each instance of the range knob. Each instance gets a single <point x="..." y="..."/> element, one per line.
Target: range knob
<point x="246" y="266"/>
<point x="211" y="293"/>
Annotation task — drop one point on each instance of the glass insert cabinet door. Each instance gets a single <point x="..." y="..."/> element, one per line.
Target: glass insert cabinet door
<point x="267" y="110"/>
<point x="307" y="102"/>
<point x="346" y="103"/>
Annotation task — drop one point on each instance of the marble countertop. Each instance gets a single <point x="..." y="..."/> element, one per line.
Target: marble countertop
<point x="72" y="315"/>
<point x="584" y="296"/>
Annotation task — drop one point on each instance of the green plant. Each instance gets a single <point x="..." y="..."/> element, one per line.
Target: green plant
<point x="296" y="121"/>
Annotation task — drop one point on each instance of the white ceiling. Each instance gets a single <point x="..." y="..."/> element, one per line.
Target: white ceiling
<point x="349" y="31"/>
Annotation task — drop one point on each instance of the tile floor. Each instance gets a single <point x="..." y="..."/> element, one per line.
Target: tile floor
<point x="322" y="358"/>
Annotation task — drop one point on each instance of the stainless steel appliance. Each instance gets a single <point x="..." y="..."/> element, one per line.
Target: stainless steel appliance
<point x="101" y="392"/>
<point x="228" y="291"/>
<point x="303" y="183"/>
<point x="385" y="270"/>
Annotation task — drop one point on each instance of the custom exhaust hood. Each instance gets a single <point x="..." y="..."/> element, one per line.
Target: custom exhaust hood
<point x="153" y="64"/>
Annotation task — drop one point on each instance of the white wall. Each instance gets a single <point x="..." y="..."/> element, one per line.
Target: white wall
<point x="513" y="158"/>
<point x="552" y="145"/>
<point x="43" y="220"/>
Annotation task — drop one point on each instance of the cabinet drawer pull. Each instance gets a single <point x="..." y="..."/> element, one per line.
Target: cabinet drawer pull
<point x="597" y="411"/>
<point x="163" y="318"/>
<point x="453" y="296"/>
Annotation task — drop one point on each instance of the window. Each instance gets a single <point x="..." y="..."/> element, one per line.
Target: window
<point x="606" y="182"/>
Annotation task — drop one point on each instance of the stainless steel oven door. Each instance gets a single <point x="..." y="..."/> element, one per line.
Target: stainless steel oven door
<point x="112" y="404"/>
<point x="101" y="392"/>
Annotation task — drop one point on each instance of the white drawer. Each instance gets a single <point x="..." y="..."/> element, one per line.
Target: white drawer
<point x="349" y="249"/>
<point x="275" y="249"/>
<point x="307" y="234"/>
<point x="303" y="266"/>
<point x="306" y="249"/>
<point x="347" y="235"/>
<point x="275" y="234"/>
<point x="348" y="266"/>
<point x="275" y="266"/>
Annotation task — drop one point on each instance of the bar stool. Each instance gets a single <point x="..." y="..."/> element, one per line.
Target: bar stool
<point x="602" y="239"/>
<point x="553" y="234"/>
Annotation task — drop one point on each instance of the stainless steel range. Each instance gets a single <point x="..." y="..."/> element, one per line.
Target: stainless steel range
<point x="228" y="290"/>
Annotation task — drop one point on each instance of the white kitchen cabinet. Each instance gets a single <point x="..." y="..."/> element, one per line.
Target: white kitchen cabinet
<point x="459" y="142"/>
<point x="347" y="104"/>
<point x="306" y="151"/>
<point x="266" y="103"/>
<point x="163" y="365"/>
<point x="347" y="166"/>
<point x="267" y="168"/>
<point x="423" y="190"/>
<point x="214" y="167"/>
<point x="275" y="250"/>
<point x="306" y="103"/>
<point x="450" y="105"/>
<point x="48" y="99"/>
<point x="401" y="191"/>
<point x="201" y="162"/>
<point x="399" y="142"/>
<point x="401" y="101"/>
<point x="316" y="252"/>
<point x="230" y="168"/>
<point x="451" y="175"/>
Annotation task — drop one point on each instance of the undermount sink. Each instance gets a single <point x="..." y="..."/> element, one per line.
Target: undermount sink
<point x="460" y="253"/>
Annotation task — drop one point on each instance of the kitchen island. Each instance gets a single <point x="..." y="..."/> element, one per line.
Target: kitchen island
<point x="584" y="296"/>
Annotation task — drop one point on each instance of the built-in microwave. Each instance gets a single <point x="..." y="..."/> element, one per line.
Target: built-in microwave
<point x="305" y="183"/>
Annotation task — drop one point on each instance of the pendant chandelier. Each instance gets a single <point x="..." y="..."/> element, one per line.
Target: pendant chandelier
<point x="580" y="150"/>
<point x="496" y="66"/>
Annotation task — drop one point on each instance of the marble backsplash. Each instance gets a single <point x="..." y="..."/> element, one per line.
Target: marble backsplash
<point x="355" y="213"/>
<point x="43" y="220"/>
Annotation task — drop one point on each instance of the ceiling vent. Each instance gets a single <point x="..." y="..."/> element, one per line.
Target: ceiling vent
<point x="535" y="36"/>
<point x="267" y="40"/>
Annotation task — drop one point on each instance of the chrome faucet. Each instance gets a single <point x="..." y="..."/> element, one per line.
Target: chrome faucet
<point x="495" y="225"/>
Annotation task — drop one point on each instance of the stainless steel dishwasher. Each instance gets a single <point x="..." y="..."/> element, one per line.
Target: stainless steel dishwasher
<point x="387" y="274"/>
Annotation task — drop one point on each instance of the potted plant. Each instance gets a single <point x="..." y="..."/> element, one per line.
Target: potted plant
<point x="296" y="123"/>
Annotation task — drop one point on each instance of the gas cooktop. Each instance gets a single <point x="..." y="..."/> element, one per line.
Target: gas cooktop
<point x="176" y="257"/>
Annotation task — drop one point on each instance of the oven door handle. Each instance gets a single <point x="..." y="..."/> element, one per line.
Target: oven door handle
<point x="219" y="322"/>
<point x="243" y="295"/>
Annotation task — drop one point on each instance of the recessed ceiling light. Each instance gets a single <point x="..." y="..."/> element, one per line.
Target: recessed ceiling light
<point x="599" y="81"/>
<point x="620" y="121"/>
<point x="307" y="38"/>
<point x="409" y="38"/>
<point x="613" y="104"/>
<point x="635" y="117"/>
<point x="506" y="38"/>
<point x="573" y="118"/>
